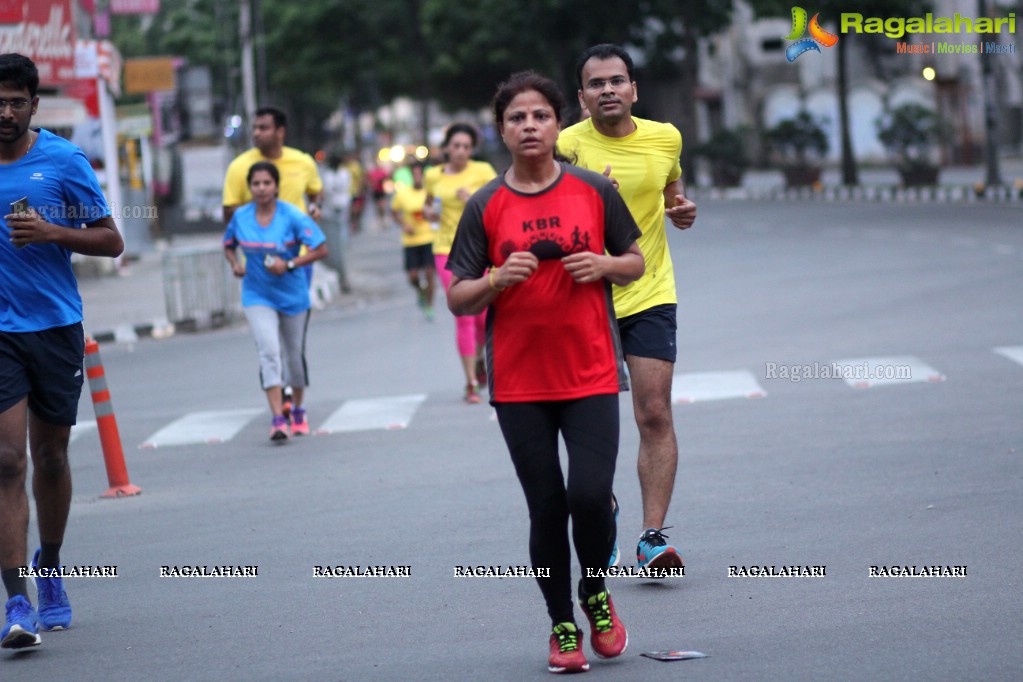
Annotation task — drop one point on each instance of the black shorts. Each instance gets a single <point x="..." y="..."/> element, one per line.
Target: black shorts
<point x="419" y="257"/>
<point x="650" y="333"/>
<point x="47" y="367"/>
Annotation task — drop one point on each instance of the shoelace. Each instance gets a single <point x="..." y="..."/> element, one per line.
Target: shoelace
<point x="656" y="537"/>
<point x="52" y="587"/>
<point x="567" y="640"/>
<point x="601" y="612"/>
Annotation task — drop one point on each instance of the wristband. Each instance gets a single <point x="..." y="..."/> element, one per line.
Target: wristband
<point x="493" y="285"/>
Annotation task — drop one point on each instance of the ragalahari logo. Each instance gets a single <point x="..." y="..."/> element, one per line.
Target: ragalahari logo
<point x="817" y="35"/>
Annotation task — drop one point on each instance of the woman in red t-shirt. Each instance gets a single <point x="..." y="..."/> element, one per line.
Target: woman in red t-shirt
<point x="539" y="247"/>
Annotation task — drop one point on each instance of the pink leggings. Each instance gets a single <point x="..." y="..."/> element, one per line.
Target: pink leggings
<point x="470" y="330"/>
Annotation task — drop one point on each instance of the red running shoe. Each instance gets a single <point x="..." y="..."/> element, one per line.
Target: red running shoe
<point x="608" y="636"/>
<point x="299" y="423"/>
<point x="566" y="650"/>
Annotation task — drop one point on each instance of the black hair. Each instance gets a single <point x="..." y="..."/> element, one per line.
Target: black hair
<point x="280" y="120"/>
<point x="264" y="166"/>
<point x="602" y="51"/>
<point x="524" y="81"/>
<point x="20" y="72"/>
<point x="456" y="128"/>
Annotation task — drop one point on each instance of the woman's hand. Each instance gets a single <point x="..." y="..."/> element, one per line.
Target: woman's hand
<point x="518" y="268"/>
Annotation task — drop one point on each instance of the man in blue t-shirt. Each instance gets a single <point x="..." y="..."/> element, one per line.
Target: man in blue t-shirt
<point x="56" y="209"/>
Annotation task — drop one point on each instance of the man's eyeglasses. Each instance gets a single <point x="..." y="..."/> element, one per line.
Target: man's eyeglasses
<point x="598" y="83"/>
<point x="20" y="104"/>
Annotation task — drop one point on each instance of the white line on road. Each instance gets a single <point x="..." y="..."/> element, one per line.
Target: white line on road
<point x="885" y="371"/>
<point x="202" y="427"/>
<point x="689" y="388"/>
<point x="1014" y="353"/>
<point x="373" y="413"/>
<point x="83" y="427"/>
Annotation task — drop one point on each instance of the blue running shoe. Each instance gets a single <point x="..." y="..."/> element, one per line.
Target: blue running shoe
<point x="22" y="627"/>
<point x="54" y="608"/>
<point x="615" y="554"/>
<point x="654" y="552"/>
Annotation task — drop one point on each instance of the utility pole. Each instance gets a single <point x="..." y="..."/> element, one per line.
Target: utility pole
<point x="248" y="68"/>
<point x="994" y="176"/>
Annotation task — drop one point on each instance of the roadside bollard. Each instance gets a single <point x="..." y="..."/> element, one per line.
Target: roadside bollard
<point x="106" y="424"/>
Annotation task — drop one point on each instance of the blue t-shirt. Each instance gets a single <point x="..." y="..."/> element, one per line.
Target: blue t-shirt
<point x="38" y="289"/>
<point x="283" y="237"/>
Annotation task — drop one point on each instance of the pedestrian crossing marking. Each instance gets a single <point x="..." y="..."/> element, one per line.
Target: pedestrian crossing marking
<point x="1014" y="353"/>
<point x="202" y="427"/>
<point x="885" y="371"/>
<point x="83" y="427"/>
<point x="366" y="414"/>
<point x="697" y="386"/>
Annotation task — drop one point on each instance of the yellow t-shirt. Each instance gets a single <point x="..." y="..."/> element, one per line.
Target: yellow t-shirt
<point x="409" y="202"/>
<point x="644" y="163"/>
<point x="443" y="186"/>
<point x="299" y="177"/>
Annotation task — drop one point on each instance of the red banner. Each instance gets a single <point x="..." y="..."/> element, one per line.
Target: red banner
<point x="46" y="35"/>
<point x="10" y="11"/>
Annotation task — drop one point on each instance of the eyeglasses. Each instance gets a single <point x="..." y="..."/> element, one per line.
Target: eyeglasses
<point x="599" y="83"/>
<point x="19" y="104"/>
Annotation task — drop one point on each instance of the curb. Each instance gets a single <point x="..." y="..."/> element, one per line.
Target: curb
<point x="127" y="333"/>
<point x="877" y="193"/>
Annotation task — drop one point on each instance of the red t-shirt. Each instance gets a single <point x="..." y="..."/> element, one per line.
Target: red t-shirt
<point x="548" y="338"/>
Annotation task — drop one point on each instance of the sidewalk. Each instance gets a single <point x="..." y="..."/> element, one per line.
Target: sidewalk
<point x="131" y="304"/>
<point x="957" y="183"/>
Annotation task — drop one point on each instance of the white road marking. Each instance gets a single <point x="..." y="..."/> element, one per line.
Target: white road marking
<point x="885" y="371"/>
<point x="83" y="427"/>
<point x="394" y="412"/>
<point x="203" y="427"/>
<point x="693" y="387"/>
<point x="1014" y="353"/>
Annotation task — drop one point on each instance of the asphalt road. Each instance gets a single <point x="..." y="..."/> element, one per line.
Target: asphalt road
<point x="813" y="473"/>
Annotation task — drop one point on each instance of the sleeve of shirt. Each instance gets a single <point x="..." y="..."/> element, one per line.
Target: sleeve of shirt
<point x="81" y="188"/>
<point x="676" y="169"/>
<point x="469" y="252"/>
<point x="233" y="196"/>
<point x="306" y="230"/>
<point x="620" y="229"/>
<point x="230" y="234"/>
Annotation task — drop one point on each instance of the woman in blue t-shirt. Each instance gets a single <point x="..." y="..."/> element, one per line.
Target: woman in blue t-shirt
<point x="275" y="292"/>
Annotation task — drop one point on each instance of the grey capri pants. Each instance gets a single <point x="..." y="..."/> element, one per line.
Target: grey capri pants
<point x="280" y="341"/>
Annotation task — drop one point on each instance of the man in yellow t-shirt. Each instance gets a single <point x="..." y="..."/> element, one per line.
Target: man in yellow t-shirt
<point x="642" y="157"/>
<point x="299" y="177"/>
<point x="416" y="237"/>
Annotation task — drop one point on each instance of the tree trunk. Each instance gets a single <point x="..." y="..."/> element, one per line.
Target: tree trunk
<point x="849" y="173"/>
<point x="690" y="82"/>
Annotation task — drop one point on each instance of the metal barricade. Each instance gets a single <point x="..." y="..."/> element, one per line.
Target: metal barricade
<point x="199" y="288"/>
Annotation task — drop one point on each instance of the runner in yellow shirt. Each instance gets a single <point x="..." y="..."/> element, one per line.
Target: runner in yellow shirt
<point x="643" y="157"/>
<point x="416" y="237"/>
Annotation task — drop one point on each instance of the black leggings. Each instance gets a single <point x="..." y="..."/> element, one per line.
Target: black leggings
<point x="590" y="429"/>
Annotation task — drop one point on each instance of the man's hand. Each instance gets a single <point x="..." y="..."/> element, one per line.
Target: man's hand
<point x="683" y="213"/>
<point x="28" y="227"/>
